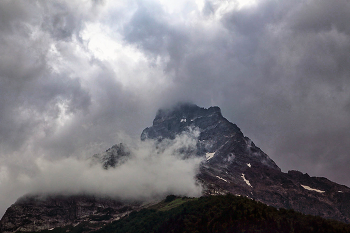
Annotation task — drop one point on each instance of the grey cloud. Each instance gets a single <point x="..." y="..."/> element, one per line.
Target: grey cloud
<point x="60" y="20"/>
<point x="147" y="29"/>
<point x="279" y="70"/>
<point x="323" y="16"/>
<point x="12" y="14"/>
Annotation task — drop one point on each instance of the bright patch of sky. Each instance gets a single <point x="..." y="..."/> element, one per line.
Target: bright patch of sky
<point x="246" y="3"/>
<point x="131" y="66"/>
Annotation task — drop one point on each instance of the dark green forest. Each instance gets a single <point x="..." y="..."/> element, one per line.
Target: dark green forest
<point x="224" y="214"/>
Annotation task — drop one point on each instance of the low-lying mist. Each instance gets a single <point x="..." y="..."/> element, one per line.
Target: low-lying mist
<point x="153" y="170"/>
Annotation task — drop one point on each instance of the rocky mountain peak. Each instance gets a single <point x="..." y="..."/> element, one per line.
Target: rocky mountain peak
<point x="112" y="157"/>
<point x="231" y="163"/>
<point x="170" y="122"/>
<point x="185" y="111"/>
<point x="220" y="141"/>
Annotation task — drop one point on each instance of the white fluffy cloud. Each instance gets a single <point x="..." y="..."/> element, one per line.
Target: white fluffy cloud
<point x="150" y="172"/>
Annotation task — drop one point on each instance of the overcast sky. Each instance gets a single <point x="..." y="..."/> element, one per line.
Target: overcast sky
<point x="77" y="74"/>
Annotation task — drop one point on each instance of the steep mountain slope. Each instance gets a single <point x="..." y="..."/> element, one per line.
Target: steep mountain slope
<point x="35" y="213"/>
<point x="232" y="163"/>
<point x="224" y="213"/>
<point x="219" y="213"/>
<point x="40" y="211"/>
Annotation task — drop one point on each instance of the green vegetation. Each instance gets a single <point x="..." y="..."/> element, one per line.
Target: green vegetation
<point x="224" y="214"/>
<point x="221" y="214"/>
<point x="170" y="198"/>
<point x="170" y="203"/>
<point x="177" y="202"/>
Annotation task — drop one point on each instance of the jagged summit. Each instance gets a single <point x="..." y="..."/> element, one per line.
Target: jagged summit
<point x="234" y="164"/>
<point x="221" y="141"/>
<point x="112" y="157"/>
<point x="170" y="122"/>
<point x="185" y="111"/>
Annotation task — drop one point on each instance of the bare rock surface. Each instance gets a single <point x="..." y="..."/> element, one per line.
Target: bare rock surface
<point x="40" y="212"/>
<point x="36" y="212"/>
<point x="233" y="163"/>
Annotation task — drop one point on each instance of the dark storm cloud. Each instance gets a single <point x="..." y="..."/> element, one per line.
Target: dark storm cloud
<point x="51" y="105"/>
<point x="303" y="84"/>
<point x="278" y="69"/>
<point x="145" y="29"/>
<point x="322" y="16"/>
<point x="74" y="74"/>
<point x="30" y="91"/>
<point x="149" y="29"/>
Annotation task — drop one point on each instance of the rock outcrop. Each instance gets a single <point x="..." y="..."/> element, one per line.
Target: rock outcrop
<point x="37" y="212"/>
<point x="234" y="164"/>
<point x="113" y="157"/>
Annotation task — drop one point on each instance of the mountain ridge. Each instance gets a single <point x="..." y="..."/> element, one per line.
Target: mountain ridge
<point x="232" y="163"/>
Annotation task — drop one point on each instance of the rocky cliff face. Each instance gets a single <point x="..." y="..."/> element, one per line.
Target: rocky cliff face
<point x="37" y="212"/>
<point x="232" y="163"/>
<point x="113" y="157"/>
<point x="220" y="141"/>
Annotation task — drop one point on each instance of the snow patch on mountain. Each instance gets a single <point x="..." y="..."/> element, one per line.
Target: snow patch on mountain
<point x="246" y="181"/>
<point x="221" y="178"/>
<point x="311" y="189"/>
<point x="209" y="156"/>
<point x="248" y="164"/>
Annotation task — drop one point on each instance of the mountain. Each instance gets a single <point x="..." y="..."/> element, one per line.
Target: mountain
<point x="113" y="157"/>
<point x="36" y="212"/>
<point x="213" y="213"/>
<point x="232" y="163"/>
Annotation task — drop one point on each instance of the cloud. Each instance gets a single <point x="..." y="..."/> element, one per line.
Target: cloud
<point x="278" y="69"/>
<point x="153" y="170"/>
<point x="74" y="74"/>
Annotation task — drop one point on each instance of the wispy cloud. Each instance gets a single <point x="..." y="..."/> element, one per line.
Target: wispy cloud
<point x="153" y="170"/>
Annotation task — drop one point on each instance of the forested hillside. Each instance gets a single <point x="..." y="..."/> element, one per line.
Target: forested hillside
<point x="227" y="213"/>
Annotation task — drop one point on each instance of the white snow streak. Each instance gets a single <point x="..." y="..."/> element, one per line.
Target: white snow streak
<point x="183" y="120"/>
<point x="311" y="189"/>
<point x="209" y="155"/>
<point x="248" y="164"/>
<point x="221" y="178"/>
<point x="247" y="181"/>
